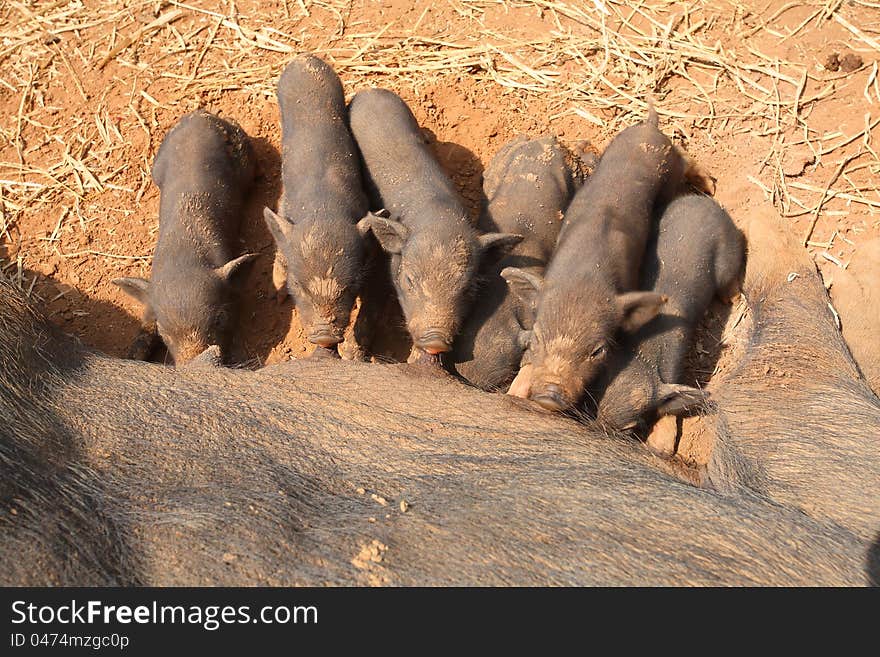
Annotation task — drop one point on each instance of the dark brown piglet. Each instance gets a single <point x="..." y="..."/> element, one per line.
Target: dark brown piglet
<point x="528" y="185"/>
<point x="316" y="228"/>
<point x="204" y="168"/>
<point x="696" y="254"/>
<point x="435" y="251"/>
<point x="590" y="289"/>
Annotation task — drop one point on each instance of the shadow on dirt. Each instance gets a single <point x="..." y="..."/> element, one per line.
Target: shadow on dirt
<point x="99" y="324"/>
<point x="463" y="167"/>
<point x="706" y="352"/>
<point x="263" y="321"/>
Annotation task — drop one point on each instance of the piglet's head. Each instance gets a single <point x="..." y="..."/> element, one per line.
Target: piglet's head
<point x="574" y="331"/>
<point x="325" y="262"/>
<point x="631" y="390"/>
<point x="195" y="312"/>
<point x="433" y="273"/>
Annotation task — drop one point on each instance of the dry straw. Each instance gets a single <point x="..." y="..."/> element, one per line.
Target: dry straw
<point x="598" y="60"/>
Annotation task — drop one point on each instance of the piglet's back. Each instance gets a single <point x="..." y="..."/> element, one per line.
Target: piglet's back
<point x="607" y="224"/>
<point x="638" y="166"/>
<point x="205" y="168"/>
<point x="400" y="168"/>
<point x="203" y="152"/>
<point x="529" y="184"/>
<point x="320" y="165"/>
<point x="699" y="253"/>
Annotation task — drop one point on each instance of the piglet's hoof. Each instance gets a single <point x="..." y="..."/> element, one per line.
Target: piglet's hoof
<point x="662" y="438"/>
<point x="325" y="352"/>
<point x="349" y="349"/>
<point x="210" y="357"/>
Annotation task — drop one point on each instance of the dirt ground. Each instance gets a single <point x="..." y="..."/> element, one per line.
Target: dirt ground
<point x="778" y="100"/>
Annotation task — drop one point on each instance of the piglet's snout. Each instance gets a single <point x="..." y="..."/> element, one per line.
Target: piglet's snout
<point x="325" y="335"/>
<point x="434" y="341"/>
<point x="550" y="396"/>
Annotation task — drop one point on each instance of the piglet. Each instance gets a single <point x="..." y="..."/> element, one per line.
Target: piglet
<point x="590" y="291"/>
<point x="204" y="169"/>
<point x="434" y="250"/>
<point x="317" y="229"/>
<point x="528" y="185"/>
<point x="696" y="254"/>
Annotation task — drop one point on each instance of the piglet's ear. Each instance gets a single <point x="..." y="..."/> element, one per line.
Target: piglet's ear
<point x="524" y="285"/>
<point x="638" y="308"/>
<point x="236" y="270"/>
<point x="280" y="227"/>
<point x="365" y="224"/>
<point x="392" y="234"/>
<point x="676" y="398"/>
<point x="501" y="243"/>
<point x="137" y="288"/>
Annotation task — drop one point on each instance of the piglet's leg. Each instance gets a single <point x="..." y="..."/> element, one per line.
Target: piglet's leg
<point x="695" y="175"/>
<point x="350" y="348"/>
<point x="662" y="438"/>
<point x="145" y="343"/>
<point x="358" y="337"/>
<point x="371" y="314"/>
<point x="279" y="277"/>
<point x="521" y="383"/>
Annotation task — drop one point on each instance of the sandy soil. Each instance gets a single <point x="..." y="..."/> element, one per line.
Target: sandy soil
<point x="88" y="89"/>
